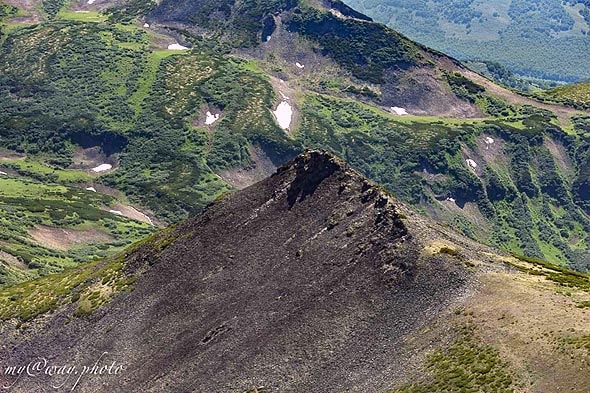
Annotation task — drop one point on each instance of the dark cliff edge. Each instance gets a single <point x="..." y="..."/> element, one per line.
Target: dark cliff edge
<point x="306" y="281"/>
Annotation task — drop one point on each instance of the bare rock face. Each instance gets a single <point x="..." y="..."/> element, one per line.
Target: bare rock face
<point x="306" y="281"/>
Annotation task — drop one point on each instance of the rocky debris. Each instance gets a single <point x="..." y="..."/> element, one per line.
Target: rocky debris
<point x="310" y="280"/>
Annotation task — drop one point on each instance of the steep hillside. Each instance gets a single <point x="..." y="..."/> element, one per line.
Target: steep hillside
<point x="115" y="85"/>
<point x="53" y="219"/>
<point x="314" y="279"/>
<point x="346" y="52"/>
<point x="544" y="39"/>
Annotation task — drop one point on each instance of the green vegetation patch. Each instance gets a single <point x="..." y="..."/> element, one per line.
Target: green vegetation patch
<point x="28" y="203"/>
<point x="52" y="7"/>
<point x="580" y="342"/>
<point x="43" y="172"/>
<point x="560" y="275"/>
<point x="28" y="300"/>
<point x="365" y="49"/>
<point x="89" y="286"/>
<point x="576" y="95"/>
<point x="66" y="83"/>
<point x="466" y="366"/>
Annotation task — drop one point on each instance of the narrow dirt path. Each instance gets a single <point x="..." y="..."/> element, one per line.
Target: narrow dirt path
<point x="563" y="113"/>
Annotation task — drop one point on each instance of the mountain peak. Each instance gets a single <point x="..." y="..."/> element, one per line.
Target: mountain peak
<point x="303" y="265"/>
<point x="311" y="168"/>
<point x="279" y="286"/>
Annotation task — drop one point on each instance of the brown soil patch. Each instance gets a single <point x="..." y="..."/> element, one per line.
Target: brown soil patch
<point x="421" y="92"/>
<point x="261" y="168"/>
<point x="561" y="157"/>
<point x="492" y="153"/>
<point x="525" y="318"/>
<point x="8" y="155"/>
<point x="30" y="6"/>
<point x="132" y="213"/>
<point x="11" y="260"/>
<point x="87" y="159"/>
<point x="64" y="239"/>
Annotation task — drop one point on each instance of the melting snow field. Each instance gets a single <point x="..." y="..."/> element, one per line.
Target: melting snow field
<point x="91" y="1"/>
<point x="489" y="140"/>
<point x="3" y="173"/>
<point x="399" y="111"/>
<point x="177" y="47"/>
<point x="211" y="118"/>
<point x="146" y="25"/>
<point x="91" y="189"/>
<point x="117" y="212"/>
<point x="102" y="168"/>
<point x="471" y="163"/>
<point x="300" y="66"/>
<point x="284" y="113"/>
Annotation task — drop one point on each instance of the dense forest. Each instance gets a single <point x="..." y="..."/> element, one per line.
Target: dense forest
<point x="543" y="39"/>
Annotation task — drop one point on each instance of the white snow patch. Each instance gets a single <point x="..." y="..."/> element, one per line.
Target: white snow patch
<point x="211" y="118"/>
<point x="399" y="111"/>
<point x="91" y="1"/>
<point x="284" y="113"/>
<point x="117" y="212"/>
<point x="451" y="200"/>
<point x="283" y="95"/>
<point x="489" y="140"/>
<point x="3" y="173"/>
<point x="471" y="163"/>
<point x="146" y="25"/>
<point x="144" y="215"/>
<point x="300" y="66"/>
<point x="102" y="168"/>
<point x="177" y="47"/>
<point x="91" y="189"/>
<point x="268" y="37"/>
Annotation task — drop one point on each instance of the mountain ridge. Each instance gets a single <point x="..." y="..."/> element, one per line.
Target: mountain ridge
<point x="277" y="287"/>
<point x="338" y="244"/>
<point x="193" y="124"/>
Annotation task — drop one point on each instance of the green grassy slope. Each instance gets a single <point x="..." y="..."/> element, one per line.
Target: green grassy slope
<point x="50" y="222"/>
<point x="576" y="95"/>
<point x="531" y="202"/>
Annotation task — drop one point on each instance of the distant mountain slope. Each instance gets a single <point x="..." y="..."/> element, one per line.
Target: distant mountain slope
<point x="372" y="61"/>
<point x="542" y="38"/>
<point x="314" y="279"/>
<point x="183" y="126"/>
<point x="576" y="95"/>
